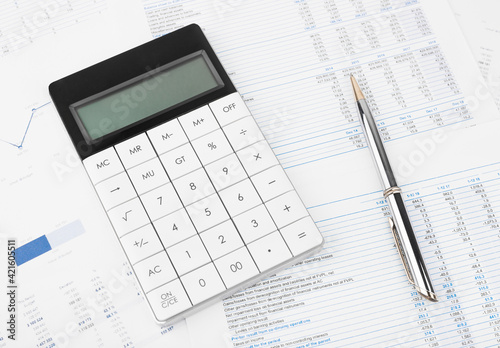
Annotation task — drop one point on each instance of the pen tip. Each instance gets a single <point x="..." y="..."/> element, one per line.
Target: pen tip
<point x="357" y="91"/>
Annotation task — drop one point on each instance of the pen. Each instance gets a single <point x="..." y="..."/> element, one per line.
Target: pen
<point x="400" y="224"/>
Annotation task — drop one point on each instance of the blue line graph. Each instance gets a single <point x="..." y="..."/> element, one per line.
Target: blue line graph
<point x="33" y="112"/>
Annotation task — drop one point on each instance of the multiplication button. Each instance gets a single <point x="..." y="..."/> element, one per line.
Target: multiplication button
<point x="229" y="108"/>
<point x="103" y="165"/>
<point x="198" y="122"/>
<point x="257" y="157"/>
<point x="168" y="300"/>
<point x="167" y="136"/>
<point x="286" y="209"/>
<point x="243" y="132"/>
<point x="180" y="161"/>
<point x="135" y="150"/>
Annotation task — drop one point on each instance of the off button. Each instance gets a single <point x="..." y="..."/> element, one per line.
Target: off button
<point x="229" y="109"/>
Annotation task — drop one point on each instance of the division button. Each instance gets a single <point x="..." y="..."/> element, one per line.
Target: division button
<point x="243" y="132"/>
<point x="168" y="300"/>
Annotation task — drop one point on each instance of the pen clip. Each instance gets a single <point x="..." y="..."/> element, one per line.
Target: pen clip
<point x="401" y="252"/>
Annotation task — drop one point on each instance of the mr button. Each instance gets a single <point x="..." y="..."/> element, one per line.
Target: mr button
<point x="229" y="109"/>
<point x="135" y="150"/>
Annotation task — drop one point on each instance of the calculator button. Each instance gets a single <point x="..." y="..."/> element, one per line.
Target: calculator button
<point x="161" y="201"/>
<point x="188" y="255"/>
<point x="269" y="251"/>
<point x="167" y="136"/>
<point x="236" y="267"/>
<point x="193" y="186"/>
<point x="272" y="182"/>
<point x="154" y="271"/>
<point x="302" y="236"/>
<point x="103" y="165"/>
<point x="254" y="224"/>
<point x="128" y="216"/>
<point x="148" y="176"/>
<point x="141" y="244"/>
<point x="198" y="122"/>
<point x="212" y="147"/>
<point x="135" y="151"/>
<point x="180" y="161"/>
<point x="207" y="212"/>
<point x="203" y="283"/>
<point x="226" y="171"/>
<point x="115" y="190"/>
<point x="168" y="300"/>
<point x="174" y="228"/>
<point x="240" y="197"/>
<point x="221" y="239"/>
<point x="243" y="132"/>
<point x="257" y="157"/>
<point x="286" y="209"/>
<point x="229" y="108"/>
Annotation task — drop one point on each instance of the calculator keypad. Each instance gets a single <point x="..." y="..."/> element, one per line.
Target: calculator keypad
<point x="200" y="205"/>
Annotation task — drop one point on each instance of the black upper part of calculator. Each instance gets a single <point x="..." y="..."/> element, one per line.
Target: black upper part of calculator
<point x="132" y="64"/>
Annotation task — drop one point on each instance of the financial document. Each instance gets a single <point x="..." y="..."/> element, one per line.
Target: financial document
<point x="479" y="23"/>
<point x="291" y="61"/>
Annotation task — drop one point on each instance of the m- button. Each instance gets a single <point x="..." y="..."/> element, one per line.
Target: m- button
<point x="229" y="109"/>
<point x="103" y="165"/>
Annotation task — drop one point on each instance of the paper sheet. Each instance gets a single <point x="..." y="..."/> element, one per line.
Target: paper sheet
<point x="74" y="287"/>
<point x="291" y="62"/>
<point x="479" y="23"/>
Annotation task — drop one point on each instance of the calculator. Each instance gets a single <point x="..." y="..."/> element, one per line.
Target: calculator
<point x="196" y="197"/>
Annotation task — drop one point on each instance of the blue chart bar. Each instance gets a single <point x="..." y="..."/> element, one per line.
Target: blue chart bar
<point x="45" y="243"/>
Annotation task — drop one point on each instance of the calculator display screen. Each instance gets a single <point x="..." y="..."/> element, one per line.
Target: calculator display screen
<point x="144" y="96"/>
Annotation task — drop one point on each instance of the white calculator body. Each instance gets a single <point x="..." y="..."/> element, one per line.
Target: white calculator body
<point x="197" y="199"/>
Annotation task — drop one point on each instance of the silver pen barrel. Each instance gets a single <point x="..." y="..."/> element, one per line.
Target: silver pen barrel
<point x="400" y="224"/>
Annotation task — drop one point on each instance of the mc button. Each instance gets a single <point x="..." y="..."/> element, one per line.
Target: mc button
<point x="103" y="165"/>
